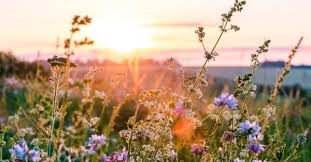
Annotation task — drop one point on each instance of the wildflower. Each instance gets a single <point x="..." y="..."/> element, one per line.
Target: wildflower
<point x="238" y="160"/>
<point x="228" y="137"/>
<point x="12" y="82"/>
<point x="179" y="108"/>
<point x="120" y="156"/>
<point x="200" y="32"/>
<point x="106" y="158"/>
<point x="101" y="95"/>
<point x="243" y="153"/>
<point x="59" y="61"/>
<point x="248" y="127"/>
<point x="245" y="126"/>
<point x="25" y="131"/>
<point x="301" y="139"/>
<point x="19" y="151"/>
<point x="259" y="137"/>
<point x="34" y="155"/>
<point x="95" y="141"/>
<point x="259" y="160"/>
<point x="173" y="154"/>
<point x="255" y="148"/>
<point x="226" y="100"/>
<point x="198" y="150"/>
<point x="253" y="118"/>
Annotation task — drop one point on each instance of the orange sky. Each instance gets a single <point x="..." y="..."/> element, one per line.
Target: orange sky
<point x="158" y="29"/>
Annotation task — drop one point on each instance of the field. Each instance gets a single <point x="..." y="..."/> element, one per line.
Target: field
<point x="144" y="110"/>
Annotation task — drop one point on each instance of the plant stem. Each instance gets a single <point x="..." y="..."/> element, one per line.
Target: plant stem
<point x="206" y="60"/>
<point x="0" y="153"/>
<point x="60" y="128"/>
<point x="55" y="101"/>
<point x="131" y="135"/>
<point x="101" y="118"/>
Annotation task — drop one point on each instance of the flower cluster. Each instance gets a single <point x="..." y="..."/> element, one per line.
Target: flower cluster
<point x="198" y="150"/>
<point x="20" y="151"/>
<point x="94" y="143"/>
<point x="254" y="135"/>
<point x="226" y="100"/>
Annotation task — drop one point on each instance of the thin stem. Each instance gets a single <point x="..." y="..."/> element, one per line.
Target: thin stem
<point x="55" y="100"/>
<point x="41" y="130"/>
<point x="101" y="118"/>
<point x="59" y="130"/>
<point x="214" y="128"/>
<point x="0" y="153"/>
<point x="206" y="60"/>
<point x="131" y="135"/>
<point x="293" y="154"/>
<point x="216" y="122"/>
<point x="68" y="59"/>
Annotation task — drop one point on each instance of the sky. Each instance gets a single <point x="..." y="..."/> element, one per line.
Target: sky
<point x="157" y="29"/>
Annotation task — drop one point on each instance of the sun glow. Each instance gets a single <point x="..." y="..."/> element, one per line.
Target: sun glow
<point x="122" y="36"/>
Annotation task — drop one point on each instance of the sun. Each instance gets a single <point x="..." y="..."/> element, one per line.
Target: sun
<point x="121" y="36"/>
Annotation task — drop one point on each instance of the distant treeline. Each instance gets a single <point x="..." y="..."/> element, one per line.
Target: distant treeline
<point x="11" y="66"/>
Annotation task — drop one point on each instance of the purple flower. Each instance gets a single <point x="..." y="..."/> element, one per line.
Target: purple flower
<point x="232" y="102"/>
<point x="259" y="137"/>
<point x="245" y="126"/>
<point x="255" y="128"/>
<point x="12" y="82"/>
<point x="198" y="150"/>
<point x="34" y="155"/>
<point x="221" y="100"/>
<point x="259" y="160"/>
<point x="120" y="156"/>
<point x="106" y="158"/>
<point x="248" y="127"/>
<point x="95" y="141"/>
<point x="226" y="100"/>
<point x="255" y="148"/>
<point x="238" y="160"/>
<point x="19" y="150"/>
<point x="228" y="137"/>
<point x="179" y="110"/>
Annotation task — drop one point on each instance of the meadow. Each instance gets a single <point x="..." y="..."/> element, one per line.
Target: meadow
<point x="143" y="110"/>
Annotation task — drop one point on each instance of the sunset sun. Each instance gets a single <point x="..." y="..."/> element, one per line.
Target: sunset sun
<point x="121" y="36"/>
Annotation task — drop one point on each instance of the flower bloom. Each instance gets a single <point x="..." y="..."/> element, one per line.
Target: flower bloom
<point x="198" y="150"/>
<point x="248" y="127"/>
<point x="226" y="100"/>
<point x="259" y="161"/>
<point x="228" y="137"/>
<point x="95" y="141"/>
<point x="179" y="109"/>
<point x="19" y="150"/>
<point x="34" y="155"/>
<point x="106" y="158"/>
<point x="13" y="82"/>
<point x="255" y="148"/>
<point x="120" y="156"/>
<point x="259" y="137"/>
<point x="238" y="160"/>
